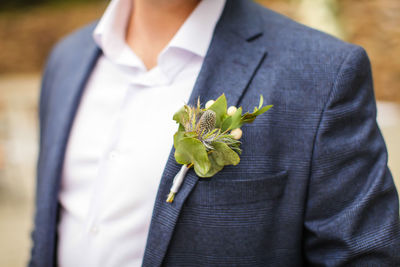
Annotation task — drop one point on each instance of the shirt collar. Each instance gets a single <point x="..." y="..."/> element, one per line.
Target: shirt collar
<point x="196" y="32"/>
<point x="109" y="33"/>
<point x="194" y="35"/>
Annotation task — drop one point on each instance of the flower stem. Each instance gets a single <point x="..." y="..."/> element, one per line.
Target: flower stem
<point x="177" y="182"/>
<point x="171" y="197"/>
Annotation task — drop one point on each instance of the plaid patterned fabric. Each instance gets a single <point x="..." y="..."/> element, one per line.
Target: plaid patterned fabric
<point x="312" y="187"/>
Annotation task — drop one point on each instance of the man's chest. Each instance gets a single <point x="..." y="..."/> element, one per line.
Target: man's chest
<point x="116" y="152"/>
<point x="123" y="125"/>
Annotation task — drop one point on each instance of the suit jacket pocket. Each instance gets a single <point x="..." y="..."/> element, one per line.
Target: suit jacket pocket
<point x="238" y="190"/>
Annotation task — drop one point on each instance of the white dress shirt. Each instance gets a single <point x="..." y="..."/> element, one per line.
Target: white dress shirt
<point x="121" y="138"/>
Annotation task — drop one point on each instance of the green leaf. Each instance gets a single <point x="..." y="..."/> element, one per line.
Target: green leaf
<point x="219" y="107"/>
<point x="264" y="109"/>
<point x="219" y="157"/>
<point x="191" y="150"/>
<point x="181" y="116"/>
<point x="224" y="154"/>
<point x="232" y="122"/>
<point x="236" y="147"/>
<point x="181" y="128"/>
<point x="236" y="123"/>
<point x="178" y="136"/>
<point x="261" y="101"/>
<point x="250" y="117"/>
<point x="226" y="124"/>
<point x="214" y="168"/>
<point x="191" y="134"/>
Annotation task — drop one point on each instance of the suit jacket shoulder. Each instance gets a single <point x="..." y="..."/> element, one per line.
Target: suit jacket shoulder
<point x="312" y="59"/>
<point x="294" y="35"/>
<point x="71" y="47"/>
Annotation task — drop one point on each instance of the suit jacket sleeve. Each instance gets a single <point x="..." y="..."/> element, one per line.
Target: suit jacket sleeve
<point x="352" y="210"/>
<point x="46" y="80"/>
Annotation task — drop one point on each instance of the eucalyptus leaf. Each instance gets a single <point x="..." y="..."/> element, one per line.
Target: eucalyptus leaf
<point x="219" y="157"/>
<point x="191" y="150"/>
<point x="178" y="136"/>
<point x="214" y="168"/>
<point x="224" y="154"/>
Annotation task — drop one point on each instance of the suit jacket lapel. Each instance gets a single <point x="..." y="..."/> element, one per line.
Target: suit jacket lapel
<point x="229" y="66"/>
<point x="65" y="96"/>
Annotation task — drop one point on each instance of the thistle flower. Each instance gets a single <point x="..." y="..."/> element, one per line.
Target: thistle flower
<point x="206" y="123"/>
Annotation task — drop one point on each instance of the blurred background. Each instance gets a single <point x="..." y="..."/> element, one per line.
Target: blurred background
<point x="29" y="28"/>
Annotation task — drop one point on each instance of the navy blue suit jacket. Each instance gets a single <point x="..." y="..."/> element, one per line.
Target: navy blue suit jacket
<point x="312" y="187"/>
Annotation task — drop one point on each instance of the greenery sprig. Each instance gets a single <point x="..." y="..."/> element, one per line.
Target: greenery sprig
<point x="208" y="138"/>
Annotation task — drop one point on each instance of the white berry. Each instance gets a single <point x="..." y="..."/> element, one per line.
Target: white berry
<point x="236" y="133"/>
<point x="209" y="103"/>
<point x="231" y="110"/>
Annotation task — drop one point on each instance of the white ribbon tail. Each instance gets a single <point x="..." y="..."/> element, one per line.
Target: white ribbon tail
<point x="176" y="184"/>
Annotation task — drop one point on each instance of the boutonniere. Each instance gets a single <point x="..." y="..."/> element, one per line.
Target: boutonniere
<point x="208" y="138"/>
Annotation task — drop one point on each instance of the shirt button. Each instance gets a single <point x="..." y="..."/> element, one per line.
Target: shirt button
<point x="94" y="229"/>
<point x="113" y="155"/>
